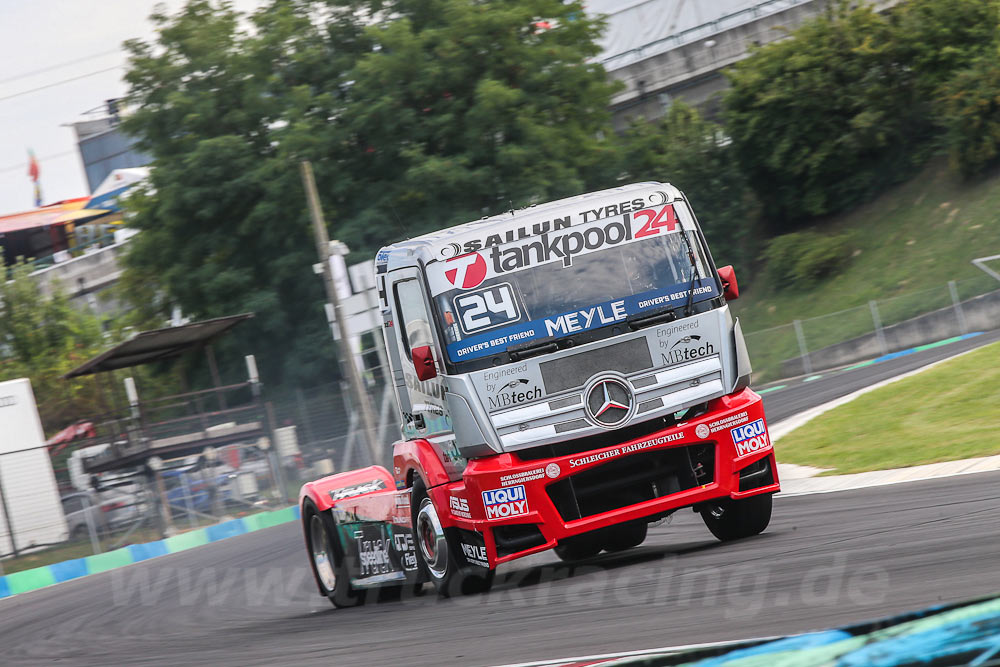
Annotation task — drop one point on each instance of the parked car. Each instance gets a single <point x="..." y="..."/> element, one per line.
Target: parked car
<point x="109" y="510"/>
<point x="76" y="508"/>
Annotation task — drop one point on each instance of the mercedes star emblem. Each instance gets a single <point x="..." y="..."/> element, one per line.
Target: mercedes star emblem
<point x="610" y="402"/>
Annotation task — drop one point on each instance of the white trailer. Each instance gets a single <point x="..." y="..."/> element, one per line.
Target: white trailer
<point x="29" y="502"/>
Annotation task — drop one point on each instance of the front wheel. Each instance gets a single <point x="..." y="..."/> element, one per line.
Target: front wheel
<point x="735" y="519"/>
<point x="436" y="553"/>
<point x="625" y="536"/>
<point x="579" y="547"/>
<point x="327" y="558"/>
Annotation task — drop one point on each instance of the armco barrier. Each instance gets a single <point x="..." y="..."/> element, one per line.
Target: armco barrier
<point x="40" y="577"/>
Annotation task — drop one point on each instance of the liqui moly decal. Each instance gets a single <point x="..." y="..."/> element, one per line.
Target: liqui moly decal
<point x="503" y="503"/>
<point x="750" y="438"/>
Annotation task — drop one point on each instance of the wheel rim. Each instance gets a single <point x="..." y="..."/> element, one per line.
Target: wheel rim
<point x="321" y="553"/>
<point x="430" y="537"/>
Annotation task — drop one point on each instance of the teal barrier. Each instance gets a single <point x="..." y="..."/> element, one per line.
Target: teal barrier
<point x="40" y="577"/>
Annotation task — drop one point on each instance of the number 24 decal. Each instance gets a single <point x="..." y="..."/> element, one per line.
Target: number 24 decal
<point x="656" y="221"/>
<point x="487" y="308"/>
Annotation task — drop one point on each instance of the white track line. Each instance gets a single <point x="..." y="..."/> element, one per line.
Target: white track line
<point x="666" y="650"/>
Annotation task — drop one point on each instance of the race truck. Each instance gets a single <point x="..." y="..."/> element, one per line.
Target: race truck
<point x="566" y="374"/>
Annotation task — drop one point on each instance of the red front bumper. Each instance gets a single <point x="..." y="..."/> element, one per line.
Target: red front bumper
<point x="554" y="498"/>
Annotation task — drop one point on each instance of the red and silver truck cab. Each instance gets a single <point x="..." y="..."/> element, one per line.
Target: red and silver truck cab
<point x="565" y="374"/>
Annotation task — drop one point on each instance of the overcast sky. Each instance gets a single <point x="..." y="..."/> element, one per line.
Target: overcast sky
<point x="75" y="38"/>
<point x="60" y="59"/>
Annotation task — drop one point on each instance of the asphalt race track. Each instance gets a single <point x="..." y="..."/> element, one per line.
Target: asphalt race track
<point x="826" y="560"/>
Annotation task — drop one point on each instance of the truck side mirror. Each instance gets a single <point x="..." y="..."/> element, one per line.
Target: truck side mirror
<point x="423" y="362"/>
<point x="730" y="287"/>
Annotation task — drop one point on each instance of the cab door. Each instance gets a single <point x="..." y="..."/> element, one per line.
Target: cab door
<point x="422" y="403"/>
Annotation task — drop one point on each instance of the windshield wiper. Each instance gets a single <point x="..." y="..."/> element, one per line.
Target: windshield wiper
<point x="642" y="320"/>
<point x="531" y="349"/>
<point x="694" y="274"/>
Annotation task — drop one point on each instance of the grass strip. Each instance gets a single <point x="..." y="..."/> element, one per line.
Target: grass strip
<point x="946" y="413"/>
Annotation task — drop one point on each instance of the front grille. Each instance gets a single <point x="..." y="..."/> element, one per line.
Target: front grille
<point x="632" y="480"/>
<point x="573" y="371"/>
<point x="606" y="438"/>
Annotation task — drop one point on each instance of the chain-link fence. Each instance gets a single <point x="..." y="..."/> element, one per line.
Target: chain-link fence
<point x="112" y="492"/>
<point x="871" y="330"/>
<point x="329" y="435"/>
<point x="98" y="512"/>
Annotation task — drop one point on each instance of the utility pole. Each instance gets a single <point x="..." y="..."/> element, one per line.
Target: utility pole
<point x="360" y="398"/>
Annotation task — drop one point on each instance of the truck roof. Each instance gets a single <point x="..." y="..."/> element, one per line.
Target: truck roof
<point x="447" y="242"/>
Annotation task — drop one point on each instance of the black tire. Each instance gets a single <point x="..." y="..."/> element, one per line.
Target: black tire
<point x="625" y="536"/>
<point x="437" y="555"/>
<point x="735" y="519"/>
<point x="579" y="547"/>
<point x="326" y="557"/>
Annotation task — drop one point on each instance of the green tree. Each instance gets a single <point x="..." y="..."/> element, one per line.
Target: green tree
<point x="970" y="113"/>
<point x="940" y="37"/>
<point x="442" y="112"/>
<point x="845" y="106"/>
<point x="695" y="155"/>
<point x="459" y="109"/>
<point x="42" y="338"/>
<point x="827" y="117"/>
<point x="223" y="230"/>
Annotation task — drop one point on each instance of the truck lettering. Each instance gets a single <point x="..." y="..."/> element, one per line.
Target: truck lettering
<point x="678" y="355"/>
<point x="570" y="322"/>
<point x="613" y="210"/>
<point x="511" y="235"/>
<point x="560" y="246"/>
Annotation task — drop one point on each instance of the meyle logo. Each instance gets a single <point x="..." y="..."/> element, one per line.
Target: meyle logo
<point x="475" y="554"/>
<point x="502" y="503"/>
<point x="750" y="438"/>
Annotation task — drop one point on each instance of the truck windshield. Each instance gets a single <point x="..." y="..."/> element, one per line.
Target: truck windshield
<point x="596" y="290"/>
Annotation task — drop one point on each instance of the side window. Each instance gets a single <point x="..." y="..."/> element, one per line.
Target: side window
<point x="415" y="329"/>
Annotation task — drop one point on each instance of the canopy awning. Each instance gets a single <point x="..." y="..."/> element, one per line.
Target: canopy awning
<point x="149" y="346"/>
<point x="80" y="215"/>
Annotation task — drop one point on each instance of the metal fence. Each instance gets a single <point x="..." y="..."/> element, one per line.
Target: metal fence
<point x="872" y="329"/>
<point x="104" y="511"/>
<point x="312" y="432"/>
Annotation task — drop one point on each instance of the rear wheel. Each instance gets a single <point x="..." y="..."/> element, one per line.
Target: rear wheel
<point x="735" y="519"/>
<point x="436" y="552"/>
<point x="327" y="558"/>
